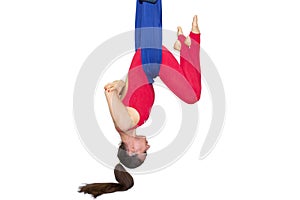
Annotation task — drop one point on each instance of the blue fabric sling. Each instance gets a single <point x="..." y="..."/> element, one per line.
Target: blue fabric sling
<point x="148" y="35"/>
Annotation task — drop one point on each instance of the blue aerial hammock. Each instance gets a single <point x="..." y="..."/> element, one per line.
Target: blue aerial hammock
<point x="148" y="35"/>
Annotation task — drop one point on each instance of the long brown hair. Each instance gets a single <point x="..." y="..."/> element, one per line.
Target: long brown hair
<point x="124" y="179"/>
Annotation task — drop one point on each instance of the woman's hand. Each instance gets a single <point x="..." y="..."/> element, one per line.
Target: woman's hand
<point x="115" y="86"/>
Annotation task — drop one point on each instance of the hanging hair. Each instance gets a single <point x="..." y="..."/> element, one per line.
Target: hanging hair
<point x="129" y="161"/>
<point x="124" y="179"/>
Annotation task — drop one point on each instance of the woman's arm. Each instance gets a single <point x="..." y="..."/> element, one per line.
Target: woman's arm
<point x="124" y="118"/>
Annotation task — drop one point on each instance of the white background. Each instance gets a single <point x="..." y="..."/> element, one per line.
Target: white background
<point x="255" y="46"/>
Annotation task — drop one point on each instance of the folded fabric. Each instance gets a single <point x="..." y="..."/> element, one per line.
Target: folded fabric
<point x="149" y="1"/>
<point x="148" y="36"/>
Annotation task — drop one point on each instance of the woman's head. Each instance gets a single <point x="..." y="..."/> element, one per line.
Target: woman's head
<point x="133" y="153"/>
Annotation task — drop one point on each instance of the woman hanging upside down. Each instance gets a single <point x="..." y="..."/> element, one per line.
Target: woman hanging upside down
<point x="130" y="103"/>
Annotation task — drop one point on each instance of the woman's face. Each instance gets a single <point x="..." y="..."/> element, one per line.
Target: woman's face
<point x="141" y="145"/>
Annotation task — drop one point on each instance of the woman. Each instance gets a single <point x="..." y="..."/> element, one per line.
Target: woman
<point x="130" y="103"/>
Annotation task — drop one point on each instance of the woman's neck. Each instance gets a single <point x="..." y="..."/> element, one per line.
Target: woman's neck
<point x="125" y="136"/>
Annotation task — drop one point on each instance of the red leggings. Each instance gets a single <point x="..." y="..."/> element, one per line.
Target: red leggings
<point x="183" y="79"/>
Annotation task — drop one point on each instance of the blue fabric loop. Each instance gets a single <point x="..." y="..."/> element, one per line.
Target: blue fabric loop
<point x="148" y="35"/>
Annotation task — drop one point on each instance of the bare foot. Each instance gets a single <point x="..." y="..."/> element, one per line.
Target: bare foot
<point x="115" y="86"/>
<point x="179" y="31"/>
<point x="188" y="41"/>
<point x="177" y="45"/>
<point x="195" y="28"/>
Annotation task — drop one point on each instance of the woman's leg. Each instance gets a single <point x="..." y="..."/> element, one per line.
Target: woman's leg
<point x="184" y="79"/>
